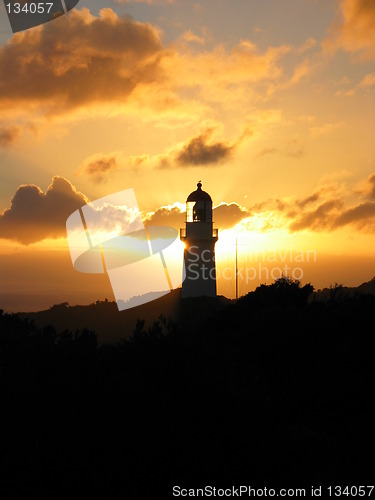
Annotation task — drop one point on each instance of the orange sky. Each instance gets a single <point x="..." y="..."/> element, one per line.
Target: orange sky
<point x="269" y="103"/>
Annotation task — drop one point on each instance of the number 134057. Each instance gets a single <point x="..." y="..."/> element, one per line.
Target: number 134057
<point x="29" y="8"/>
<point x="352" y="491"/>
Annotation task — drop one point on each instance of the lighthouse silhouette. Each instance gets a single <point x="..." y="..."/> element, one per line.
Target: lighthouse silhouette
<point x="199" y="238"/>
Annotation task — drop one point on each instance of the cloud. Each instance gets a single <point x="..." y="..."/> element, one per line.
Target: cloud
<point x="83" y="64"/>
<point x="316" y="212"/>
<point x="366" y="188"/>
<point x="308" y="200"/>
<point x="319" y="218"/>
<point x="191" y="37"/>
<point x="325" y="129"/>
<point x="99" y="166"/>
<point x="201" y="150"/>
<point x="355" y="31"/>
<point x="368" y="81"/>
<point x="362" y="215"/>
<point x="302" y="70"/>
<point x="267" y="151"/>
<point x="226" y="75"/>
<point x="307" y="45"/>
<point x="78" y="60"/>
<point x="34" y="215"/>
<point x="8" y="136"/>
<point x="227" y="215"/>
<point x="165" y="216"/>
<point x="327" y="210"/>
<point x="294" y="208"/>
<point x="345" y="93"/>
<point x="332" y="214"/>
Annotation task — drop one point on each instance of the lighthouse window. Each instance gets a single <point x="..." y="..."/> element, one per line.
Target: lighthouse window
<point x="196" y="211"/>
<point x="199" y="212"/>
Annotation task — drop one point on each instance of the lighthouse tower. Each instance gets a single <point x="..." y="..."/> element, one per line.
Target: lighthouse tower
<point x="199" y="254"/>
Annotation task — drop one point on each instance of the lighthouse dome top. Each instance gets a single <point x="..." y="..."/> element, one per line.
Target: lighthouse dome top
<point x="199" y="195"/>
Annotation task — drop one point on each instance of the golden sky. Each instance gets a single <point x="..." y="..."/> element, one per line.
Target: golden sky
<point x="269" y="103"/>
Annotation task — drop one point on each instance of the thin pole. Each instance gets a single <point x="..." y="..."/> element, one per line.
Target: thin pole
<point x="236" y="272"/>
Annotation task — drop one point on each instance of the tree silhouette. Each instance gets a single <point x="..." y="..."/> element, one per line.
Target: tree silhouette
<point x="273" y="389"/>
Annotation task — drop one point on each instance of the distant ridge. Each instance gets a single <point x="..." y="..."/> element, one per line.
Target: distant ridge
<point x="368" y="287"/>
<point x="104" y="318"/>
<point x="111" y="325"/>
<point x="139" y="300"/>
<point x="341" y="291"/>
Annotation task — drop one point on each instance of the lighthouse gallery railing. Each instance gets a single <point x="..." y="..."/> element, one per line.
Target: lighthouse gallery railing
<point x="215" y="233"/>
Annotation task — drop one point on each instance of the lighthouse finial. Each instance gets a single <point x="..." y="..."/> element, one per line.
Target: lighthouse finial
<point x="199" y="185"/>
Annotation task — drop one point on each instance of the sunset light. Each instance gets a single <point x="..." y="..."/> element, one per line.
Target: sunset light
<point x="187" y="249"/>
<point x="274" y="117"/>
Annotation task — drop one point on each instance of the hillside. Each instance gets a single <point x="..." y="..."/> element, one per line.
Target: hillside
<point x="111" y="325"/>
<point x="273" y="390"/>
<point x="342" y="291"/>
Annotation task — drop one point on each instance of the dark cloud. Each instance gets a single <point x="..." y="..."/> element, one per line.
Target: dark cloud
<point x="34" y="215"/>
<point x="8" y="135"/>
<point x="77" y="60"/>
<point x="323" y="210"/>
<point x="167" y="217"/>
<point x="228" y="215"/>
<point x="319" y="218"/>
<point x="331" y="214"/>
<point x="201" y="151"/>
<point x="308" y="200"/>
<point x="363" y="216"/>
<point x="99" y="167"/>
<point x="328" y="213"/>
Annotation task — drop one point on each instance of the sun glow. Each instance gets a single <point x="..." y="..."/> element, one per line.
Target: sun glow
<point x="258" y="233"/>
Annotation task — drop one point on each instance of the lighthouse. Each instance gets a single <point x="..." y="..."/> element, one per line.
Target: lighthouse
<point x="199" y="238"/>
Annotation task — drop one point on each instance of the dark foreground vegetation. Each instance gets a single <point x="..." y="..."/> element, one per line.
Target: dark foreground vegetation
<point x="275" y="390"/>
